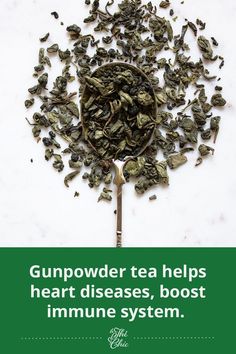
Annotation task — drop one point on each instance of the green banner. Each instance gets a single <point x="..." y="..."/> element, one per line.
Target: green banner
<point x="79" y="300"/>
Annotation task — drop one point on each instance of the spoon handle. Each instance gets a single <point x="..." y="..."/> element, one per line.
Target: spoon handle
<point x="119" y="180"/>
<point x="119" y="216"/>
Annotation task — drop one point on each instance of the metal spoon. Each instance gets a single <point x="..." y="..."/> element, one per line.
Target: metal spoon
<point x="119" y="179"/>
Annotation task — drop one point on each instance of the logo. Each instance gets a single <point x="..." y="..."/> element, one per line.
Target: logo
<point x="118" y="338"/>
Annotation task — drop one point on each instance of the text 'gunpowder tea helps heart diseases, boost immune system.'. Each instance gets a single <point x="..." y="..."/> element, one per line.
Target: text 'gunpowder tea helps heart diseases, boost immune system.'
<point x="142" y="98"/>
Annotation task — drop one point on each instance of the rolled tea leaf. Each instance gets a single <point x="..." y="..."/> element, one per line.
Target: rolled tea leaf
<point x="176" y="160"/>
<point x="70" y="177"/>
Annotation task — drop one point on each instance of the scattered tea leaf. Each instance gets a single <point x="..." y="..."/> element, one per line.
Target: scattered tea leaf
<point x="205" y="150"/>
<point x="205" y="48"/>
<point x="55" y="15"/>
<point x="153" y="197"/>
<point x="45" y="37"/>
<point x="105" y="196"/>
<point x="164" y="4"/>
<point x="217" y="100"/>
<point x="214" y="42"/>
<point x="29" y="103"/>
<point x="176" y="160"/>
<point x="199" y="161"/>
<point x="201" y="24"/>
<point x="70" y="177"/>
<point x="53" y="49"/>
<point x="193" y="27"/>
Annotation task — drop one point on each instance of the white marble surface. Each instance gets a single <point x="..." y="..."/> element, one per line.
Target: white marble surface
<point x="197" y="209"/>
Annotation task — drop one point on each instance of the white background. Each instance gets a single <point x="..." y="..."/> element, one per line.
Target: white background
<point x="197" y="209"/>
